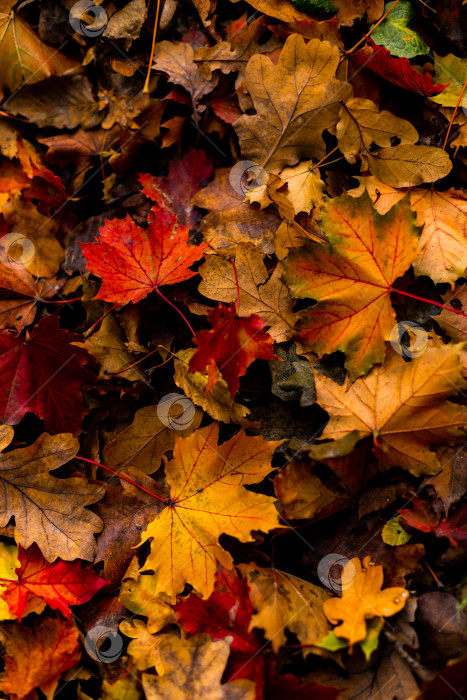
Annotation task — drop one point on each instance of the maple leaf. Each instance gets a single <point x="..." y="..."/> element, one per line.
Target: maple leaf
<point x="207" y="499"/>
<point x="60" y="584"/>
<point x="231" y="346"/>
<point x="194" y="667"/>
<point x="351" y="279"/>
<point x="47" y="510"/>
<point x="397" y="70"/>
<point x="20" y="293"/>
<point x="403" y="406"/>
<point x="133" y="261"/>
<point x="37" y="656"/>
<point x="285" y="601"/>
<point x="24" y="57"/>
<point x="257" y="293"/>
<point x="43" y="373"/>
<point x="362" y="598"/>
<point x="294" y="101"/>
<point x="443" y="215"/>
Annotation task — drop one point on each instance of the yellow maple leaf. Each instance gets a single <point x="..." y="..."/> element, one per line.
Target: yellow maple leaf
<point x="207" y="499"/>
<point x="362" y="598"/>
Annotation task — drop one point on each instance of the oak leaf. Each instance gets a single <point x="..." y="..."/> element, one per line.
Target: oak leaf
<point x="138" y="594"/>
<point x="232" y="55"/>
<point x="443" y="215"/>
<point x="268" y="297"/>
<point x="285" y="601"/>
<point x="231" y="346"/>
<point x="362" y="598"/>
<point x="351" y="279"/>
<point x="47" y="510"/>
<point x="207" y="499"/>
<point x="43" y="373"/>
<point x="133" y="261"/>
<point x="24" y="57"/>
<point x="361" y="123"/>
<point x="60" y="584"/>
<point x="193" y="668"/>
<point x="37" y="656"/>
<point x="402" y="406"/>
<point x="218" y="403"/>
<point x="294" y="102"/>
<point x="305" y="188"/>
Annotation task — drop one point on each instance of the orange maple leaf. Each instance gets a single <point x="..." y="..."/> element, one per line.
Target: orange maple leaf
<point x="133" y="261"/>
<point x="352" y="279"/>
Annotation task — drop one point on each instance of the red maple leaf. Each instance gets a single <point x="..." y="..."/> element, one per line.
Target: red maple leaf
<point x="133" y="261"/>
<point x="397" y="70"/>
<point x="231" y="346"/>
<point x="43" y="373"/>
<point x="60" y="584"/>
<point x="227" y="613"/>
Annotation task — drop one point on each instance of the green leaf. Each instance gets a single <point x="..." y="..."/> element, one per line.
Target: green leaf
<point x="314" y="6"/>
<point x="395" y="35"/>
<point x="453" y="70"/>
<point x="332" y="643"/>
<point x="371" y="641"/>
<point x="394" y="534"/>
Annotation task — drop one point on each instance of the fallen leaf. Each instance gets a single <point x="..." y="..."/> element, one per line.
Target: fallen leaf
<point x="231" y="346"/>
<point x="406" y="166"/>
<point x="398" y="71"/>
<point x="283" y="601"/>
<point x="455" y="324"/>
<point x="362" y="598"/>
<point x="451" y="70"/>
<point x="218" y="403"/>
<point x="144" y="647"/>
<point x="138" y="594"/>
<point x="133" y="261"/>
<point x="37" y="369"/>
<point x="294" y="102"/>
<point x="396" y="34"/>
<point x="8" y="563"/>
<point x="193" y="668"/>
<point x="185" y="538"/>
<point x="351" y="279"/>
<point x="60" y="584"/>
<point x="451" y="482"/>
<point x="258" y="293"/>
<point x="302" y="494"/>
<point x="177" y="60"/>
<point x="361" y="124"/>
<point x="47" y="510"/>
<point x="37" y="656"/>
<point x="24" y="57"/>
<point x="398" y="395"/>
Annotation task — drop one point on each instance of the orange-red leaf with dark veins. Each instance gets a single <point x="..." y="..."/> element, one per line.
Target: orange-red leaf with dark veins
<point x="420" y="517"/>
<point x="230" y="346"/>
<point x="60" y="584"/>
<point x="133" y="261"/>
<point x="44" y="373"/>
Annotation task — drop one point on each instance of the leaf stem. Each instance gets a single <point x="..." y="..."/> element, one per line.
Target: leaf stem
<point x="153" y="46"/>
<point x="428" y="301"/>
<point x="454" y="115"/>
<point x="365" y="36"/>
<point x="122" y="476"/>
<point x="177" y="310"/>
